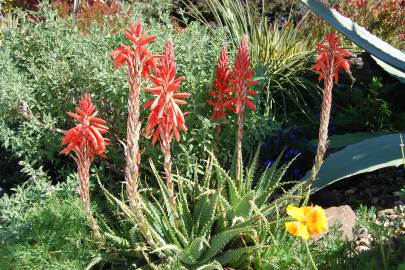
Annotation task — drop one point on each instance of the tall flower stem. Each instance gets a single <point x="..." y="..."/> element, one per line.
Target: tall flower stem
<point x="167" y="165"/>
<point x="139" y="61"/>
<point x="239" y="138"/>
<point x="241" y="79"/>
<point x="133" y="155"/>
<point x="84" y="180"/>
<point x="166" y="117"/>
<point x="86" y="141"/>
<point x="328" y="64"/>
<point x="323" y="128"/>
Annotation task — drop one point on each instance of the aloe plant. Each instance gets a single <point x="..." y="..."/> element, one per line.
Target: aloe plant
<point x="389" y="58"/>
<point x="218" y="218"/>
<point x="366" y="156"/>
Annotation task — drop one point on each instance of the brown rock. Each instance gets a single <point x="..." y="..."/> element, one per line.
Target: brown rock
<point x="345" y="216"/>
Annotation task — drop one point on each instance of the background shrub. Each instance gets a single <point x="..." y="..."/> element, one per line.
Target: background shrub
<point x="43" y="227"/>
<point x="50" y="65"/>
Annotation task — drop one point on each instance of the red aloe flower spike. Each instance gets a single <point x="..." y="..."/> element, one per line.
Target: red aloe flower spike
<point x="166" y="117"/>
<point x="242" y="78"/>
<point x="221" y="87"/>
<point x="139" y="63"/>
<point x="86" y="141"/>
<point x="331" y="58"/>
<point x="328" y="64"/>
<point x="138" y="58"/>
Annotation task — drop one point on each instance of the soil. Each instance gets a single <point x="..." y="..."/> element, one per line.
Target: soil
<point x="375" y="189"/>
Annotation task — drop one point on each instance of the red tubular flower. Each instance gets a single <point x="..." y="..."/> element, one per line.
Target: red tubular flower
<point x="138" y="57"/>
<point x="86" y="141"/>
<point x="221" y="87"/>
<point x="331" y="58"/>
<point x="86" y="138"/>
<point x="166" y="118"/>
<point x="242" y="78"/>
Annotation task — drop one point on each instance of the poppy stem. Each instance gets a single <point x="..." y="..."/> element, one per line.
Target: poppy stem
<point x="310" y="256"/>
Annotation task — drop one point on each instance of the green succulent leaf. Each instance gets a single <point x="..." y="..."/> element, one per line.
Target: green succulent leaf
<point x="193" y="251"/>
<point x="219" y="241"/>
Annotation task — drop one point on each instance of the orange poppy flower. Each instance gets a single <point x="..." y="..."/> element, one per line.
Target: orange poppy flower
<point x="310" y="220"/>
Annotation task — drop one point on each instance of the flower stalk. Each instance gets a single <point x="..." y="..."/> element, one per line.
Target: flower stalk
<point x="242" y="78"/>
<point x="86" y="141"/>
<point x="166" y="117"/>
<point x="328" y="64"/>
<point x="84" y="180"/>
<point x="139" y="61"/>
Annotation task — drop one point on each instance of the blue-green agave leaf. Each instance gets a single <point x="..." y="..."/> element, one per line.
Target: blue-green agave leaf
<point x="366" y="156"/>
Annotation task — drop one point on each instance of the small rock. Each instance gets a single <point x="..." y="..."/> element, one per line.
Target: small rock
<point x="350" y="191"/>
<point x="361" y="249"/>
<point x="344" y="215"/>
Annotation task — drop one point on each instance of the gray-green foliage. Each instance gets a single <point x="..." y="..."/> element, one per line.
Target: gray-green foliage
<point x="46" y="67"/>
<point x="42" y="226"/>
